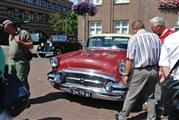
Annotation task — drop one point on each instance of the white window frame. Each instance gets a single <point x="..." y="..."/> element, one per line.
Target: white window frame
<point x="95" y="2"/>
<point x="121" y="1"/>
<point x="121" y="27"/>
<point x="95" y="27"/>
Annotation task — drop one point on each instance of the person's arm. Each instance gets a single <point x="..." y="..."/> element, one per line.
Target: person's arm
<point x="164" y="61"/>
<point x="130" y="57"/>
<point x="165" y="71"/>
<point x="28" y="44"/>
<point x="128" y="70"/>
<point x="24" y="39"/>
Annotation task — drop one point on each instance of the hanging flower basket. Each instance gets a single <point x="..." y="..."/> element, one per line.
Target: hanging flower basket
<point x="168" y="4"/>
<point x="85" y="8"/>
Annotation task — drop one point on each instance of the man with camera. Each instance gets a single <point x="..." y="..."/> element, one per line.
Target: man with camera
<point x="20" y="44"/>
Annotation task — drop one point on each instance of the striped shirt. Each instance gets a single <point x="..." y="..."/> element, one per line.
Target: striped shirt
<point x="144" y="49"/>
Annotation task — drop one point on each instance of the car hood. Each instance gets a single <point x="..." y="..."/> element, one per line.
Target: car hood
<point x="101" y="61"/>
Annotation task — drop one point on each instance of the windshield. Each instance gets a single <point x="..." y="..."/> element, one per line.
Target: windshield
<point x="108" y="42"/>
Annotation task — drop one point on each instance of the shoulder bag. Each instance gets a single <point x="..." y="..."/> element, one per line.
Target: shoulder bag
<point x="14" y="95"/>
<point x="170" y="90"/>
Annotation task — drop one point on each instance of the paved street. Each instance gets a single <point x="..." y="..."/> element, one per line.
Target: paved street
<point x="51" y="104"/>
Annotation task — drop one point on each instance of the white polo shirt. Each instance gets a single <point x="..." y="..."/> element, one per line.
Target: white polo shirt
<point x="170" y="53"/>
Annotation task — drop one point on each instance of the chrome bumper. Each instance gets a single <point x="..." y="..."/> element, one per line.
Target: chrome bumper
<point x="45" y="52"/>
<point x="117" y="94"/>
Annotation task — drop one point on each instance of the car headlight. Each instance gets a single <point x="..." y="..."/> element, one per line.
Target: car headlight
<point x="58" y="78"/>
<point x="54" y="62"/>
<point x="42" y="44"/>
<point x="122" y="67"/>
<point x="109" y="87"/>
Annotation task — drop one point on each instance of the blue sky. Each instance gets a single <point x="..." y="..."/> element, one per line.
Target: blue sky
<point x="74" y="1"/>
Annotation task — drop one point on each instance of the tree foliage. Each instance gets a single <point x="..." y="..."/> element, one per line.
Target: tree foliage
<point x="64" y="24"/>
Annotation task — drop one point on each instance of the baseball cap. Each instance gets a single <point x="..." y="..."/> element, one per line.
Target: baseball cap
<point x="7" y="23"/>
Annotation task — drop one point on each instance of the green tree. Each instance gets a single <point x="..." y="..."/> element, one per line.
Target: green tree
<point x="64" y="24"/>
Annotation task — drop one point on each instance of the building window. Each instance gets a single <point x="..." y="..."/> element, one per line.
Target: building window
<point x="11" y="13"/>
<point x="121" y="27"/>
<point x="95" y="28"/>
<point x="21" y="14"/>
<point x="31" y="16"/>
<point x="44" y="3"/>
<point x="96" y="2"/>
<point x="39" y="17"/>
<point x="121" y="1"/>
<point x="36" y="2"/>
<point x="28" y="1"/>
<point x="44" y="18"/>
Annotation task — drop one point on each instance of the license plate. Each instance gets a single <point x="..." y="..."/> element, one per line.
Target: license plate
<point x="81" y="93"/>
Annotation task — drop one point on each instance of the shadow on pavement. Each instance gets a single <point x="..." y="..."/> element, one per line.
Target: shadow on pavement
<point x="47" y="98"/>
<point x="141" y="116"/>
<point x="95" y="103"/>
<point x="51" y="118"/>
<point x="112" y="105"/>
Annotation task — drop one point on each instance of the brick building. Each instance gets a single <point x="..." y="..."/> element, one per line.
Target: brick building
<point x="116" y="16"/>
<point x="36" y="11"/>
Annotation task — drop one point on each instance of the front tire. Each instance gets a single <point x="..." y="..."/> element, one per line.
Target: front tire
<point x="57" y="52"/>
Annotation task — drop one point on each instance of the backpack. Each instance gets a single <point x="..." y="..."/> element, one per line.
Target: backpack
<point x="14" y="95"/>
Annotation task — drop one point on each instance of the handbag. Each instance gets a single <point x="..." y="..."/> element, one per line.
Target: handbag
<point x="29" y="56"/>
<point x="15" y="97"/>
<point x="170" y="90"/>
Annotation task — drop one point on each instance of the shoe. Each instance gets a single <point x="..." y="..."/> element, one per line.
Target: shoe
<point x="117" y="116"/>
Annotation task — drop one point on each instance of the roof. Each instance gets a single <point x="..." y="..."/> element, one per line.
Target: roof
<point x="111" y="35"/>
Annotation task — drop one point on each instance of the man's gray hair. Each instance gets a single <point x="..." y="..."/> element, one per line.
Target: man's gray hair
<point x="157" y="21"/>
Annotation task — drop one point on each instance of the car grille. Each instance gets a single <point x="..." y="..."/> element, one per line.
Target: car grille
<point x="85" y="80"/>
<point x="47" y="48"/>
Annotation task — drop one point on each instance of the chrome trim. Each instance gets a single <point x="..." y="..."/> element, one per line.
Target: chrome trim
<point x="45" y="52"/>
<point x="97" y="93"/>
<point x="117" y="94"/>
<point x="90" y="73"/>
<point x="87" y="80"/>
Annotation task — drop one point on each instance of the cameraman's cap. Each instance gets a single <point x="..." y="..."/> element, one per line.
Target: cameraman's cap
<point x="7" y="23"/>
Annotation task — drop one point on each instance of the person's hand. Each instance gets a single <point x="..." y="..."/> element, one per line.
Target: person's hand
<point x="17" y="39"/>
<point x="161" y="77"/>
<point x="126" y="78"/>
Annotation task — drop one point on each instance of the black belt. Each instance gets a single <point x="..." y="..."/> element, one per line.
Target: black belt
<point x="149" y="66"/>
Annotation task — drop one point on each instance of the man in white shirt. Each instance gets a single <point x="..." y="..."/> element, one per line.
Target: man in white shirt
<point x="169" y="56"/>
<point x="141" y="72"/>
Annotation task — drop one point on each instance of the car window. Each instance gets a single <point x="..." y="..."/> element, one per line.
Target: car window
<point x="75" y="40"/>
<point x="70" y="39"/>
<point x="95" y="42"/>
<point x="59" y="38"/>
<point x="107" y="42"/>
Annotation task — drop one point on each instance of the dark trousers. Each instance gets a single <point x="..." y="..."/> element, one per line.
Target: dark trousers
<point x="173" y="113"/>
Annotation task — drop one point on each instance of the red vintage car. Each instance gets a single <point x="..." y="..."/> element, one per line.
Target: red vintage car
<point x="95" y="71"/>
